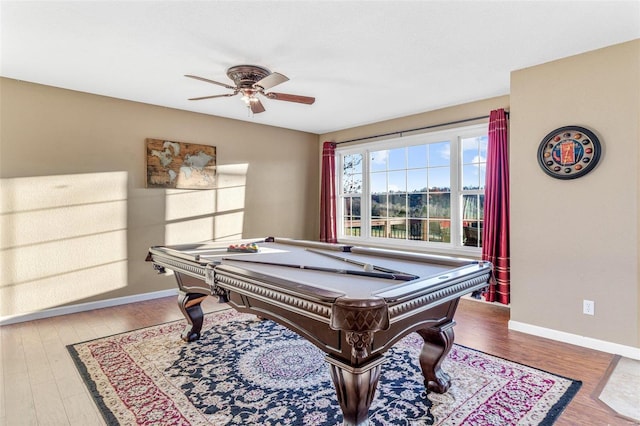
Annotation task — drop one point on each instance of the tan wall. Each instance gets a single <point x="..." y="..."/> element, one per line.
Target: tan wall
<point x="577" y="239"/>
<point x="76" y="218"/>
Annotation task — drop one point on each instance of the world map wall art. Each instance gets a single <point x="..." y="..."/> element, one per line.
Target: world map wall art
<point x="180" y="165"/>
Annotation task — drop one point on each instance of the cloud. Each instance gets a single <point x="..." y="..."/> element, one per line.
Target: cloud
<point x="380" y="157"/>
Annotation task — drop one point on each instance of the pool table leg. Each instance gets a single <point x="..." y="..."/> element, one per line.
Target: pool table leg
<point x="437" y="344"/>
<point x="355" y="388"/>
<point x="189" y="304"/>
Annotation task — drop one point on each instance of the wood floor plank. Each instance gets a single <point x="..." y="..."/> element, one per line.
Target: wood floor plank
<point x="81" y="411"/>
<point x="70" y="385"/>
<point x="20" y="408"/>
<point x="66" y="332"/>
<point x="13" y="357"/>
<point x="3" y="408"/>
<point x="48" y="404"/>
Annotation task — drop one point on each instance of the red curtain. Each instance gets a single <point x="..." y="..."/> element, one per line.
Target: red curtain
<point x="328" y="228"/>
<point x="495" y="236"/>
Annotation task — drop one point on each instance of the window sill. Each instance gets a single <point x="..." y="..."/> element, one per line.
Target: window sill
<point x="474" y="253"/>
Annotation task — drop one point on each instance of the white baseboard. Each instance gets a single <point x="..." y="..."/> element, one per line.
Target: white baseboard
<point x="81" y="307"/>
<point x="574" y="339"/>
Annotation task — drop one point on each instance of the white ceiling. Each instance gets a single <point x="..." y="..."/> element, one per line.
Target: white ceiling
<point x="364" y="61"/>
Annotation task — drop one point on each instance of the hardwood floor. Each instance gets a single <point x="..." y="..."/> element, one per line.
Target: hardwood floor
<point x="41" y="386"/>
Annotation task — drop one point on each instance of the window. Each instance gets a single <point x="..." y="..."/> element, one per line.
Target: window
<point x="423" y="189"/>
<point x="474" y="161"/>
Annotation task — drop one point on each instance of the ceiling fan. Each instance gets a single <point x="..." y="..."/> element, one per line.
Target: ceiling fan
<point x="251" y="80"/>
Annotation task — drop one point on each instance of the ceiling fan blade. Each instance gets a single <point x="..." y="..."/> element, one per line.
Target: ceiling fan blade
<point x="256" y="106"/>
<point x="271" y="80"/>
<point x="291" y="98"/>
<point x="210" y="81"/>
<point x="214" y="96"/>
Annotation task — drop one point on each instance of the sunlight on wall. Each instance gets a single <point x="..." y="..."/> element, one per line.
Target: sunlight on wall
<point x="62" y="239"/>
<point x="201" y="215"/>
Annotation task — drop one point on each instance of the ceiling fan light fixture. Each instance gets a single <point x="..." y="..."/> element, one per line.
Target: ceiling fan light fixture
<point x="249" y="99"/>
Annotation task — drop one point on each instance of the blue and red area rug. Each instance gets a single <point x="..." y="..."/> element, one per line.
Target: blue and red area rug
<point x="245" y="371"/>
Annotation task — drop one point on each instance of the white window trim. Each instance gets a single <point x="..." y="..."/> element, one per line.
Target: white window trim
<point x="454" y="136"/>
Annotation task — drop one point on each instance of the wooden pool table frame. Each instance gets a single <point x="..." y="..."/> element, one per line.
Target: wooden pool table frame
<point x="354" y="333"/>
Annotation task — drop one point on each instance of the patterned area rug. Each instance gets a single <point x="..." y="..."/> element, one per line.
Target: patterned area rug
<point x="245" y="371"/>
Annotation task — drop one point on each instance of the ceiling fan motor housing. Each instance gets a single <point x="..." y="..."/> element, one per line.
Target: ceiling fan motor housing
<point x="245" y="76"/>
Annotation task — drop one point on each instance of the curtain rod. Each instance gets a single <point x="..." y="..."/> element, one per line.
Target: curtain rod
<point x="397" y="132"/>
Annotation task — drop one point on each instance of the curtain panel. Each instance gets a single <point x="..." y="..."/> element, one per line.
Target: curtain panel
<point x="328" y="198"/>
<point x="495" y="247"/>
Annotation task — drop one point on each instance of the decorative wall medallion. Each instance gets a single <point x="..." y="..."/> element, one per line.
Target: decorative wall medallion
<point x="569" y="152"/>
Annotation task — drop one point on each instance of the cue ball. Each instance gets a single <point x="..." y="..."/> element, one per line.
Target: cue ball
<point x="368" y="268"/>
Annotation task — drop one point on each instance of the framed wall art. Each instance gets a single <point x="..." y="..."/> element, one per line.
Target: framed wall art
<point x="180" y="165"/>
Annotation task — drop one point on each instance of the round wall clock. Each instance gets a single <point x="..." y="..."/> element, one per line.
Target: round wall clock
<point x="569" y="152"/>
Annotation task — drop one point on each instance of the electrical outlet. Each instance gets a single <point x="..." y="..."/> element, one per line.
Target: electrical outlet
<point x="588" y="307"/>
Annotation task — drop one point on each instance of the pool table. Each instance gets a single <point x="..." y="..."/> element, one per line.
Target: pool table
<point x="352" y="302"/>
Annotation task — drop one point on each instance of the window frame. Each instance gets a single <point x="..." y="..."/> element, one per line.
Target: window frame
<point x="454" y="136"/>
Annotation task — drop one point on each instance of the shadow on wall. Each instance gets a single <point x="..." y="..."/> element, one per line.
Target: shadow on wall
<point x="62" y="238"/>
<point x="66" y="238"/>
<point x="216" y="213"/>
